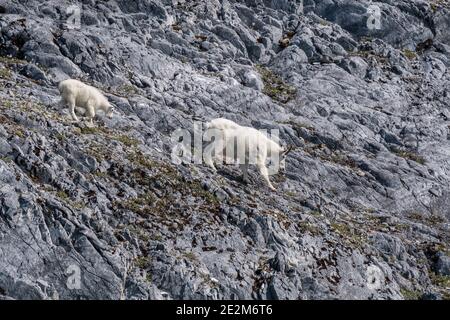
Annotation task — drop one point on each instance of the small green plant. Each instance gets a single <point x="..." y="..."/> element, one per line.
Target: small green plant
<point x="126" y="140"/>
<point x="8" y="104"/>
<point x="140" y="159"/>
<point x="440" y="280"/>
<point x="62" y="195"/>
<point x="141" y="262"/>
<point x="18" y="132"/>
<point x="148" y="277"/>
<point x="198" y="190"/>
<point x="90" y="130"/>
<point x="410" y="294"/>
<point x="275" y="87"/>
<point x="60" y="137"/>
<point x="190" y="256"/>
<point x="78" y="205"/>
<point x="410" y="156"/>
<point x="351" y="235"/>
<point x="128" y="89"/>
<point x="6" y="159"/>
<point x="5" y="73"/>
<point x="11" y="60"/>
<point x="139" y="204"/>
<point x="307" y="227"/>
<point x="411" y="55"/>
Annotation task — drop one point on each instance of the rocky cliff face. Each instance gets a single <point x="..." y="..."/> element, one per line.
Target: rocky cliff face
<point x="361" y="88"/>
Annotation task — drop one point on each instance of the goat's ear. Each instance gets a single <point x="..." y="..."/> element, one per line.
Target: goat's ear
<point x="287" y="149"/>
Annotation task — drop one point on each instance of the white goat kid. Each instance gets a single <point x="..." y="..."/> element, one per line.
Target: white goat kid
<point x="76" y="94"/>
<point x="252" y="146"/>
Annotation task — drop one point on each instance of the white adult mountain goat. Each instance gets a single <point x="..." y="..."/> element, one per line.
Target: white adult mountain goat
<point x="76" y="94"/>
<point x="252" y="146"/>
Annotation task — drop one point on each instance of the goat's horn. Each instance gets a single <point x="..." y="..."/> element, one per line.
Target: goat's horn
<point x="289" y="149"/>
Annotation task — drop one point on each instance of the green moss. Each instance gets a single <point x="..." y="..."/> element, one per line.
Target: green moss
<point x="6" y="159"/>
<point x="307" y="227"/>
<point x="126" y="140"/>
<point x="5" y="73"/>
<point x="176" y="27"/>
<point x="410" y="156"/>
<point x="351" y="235"/>
<point x="198" y="190"/>
<point x="139" y="232"/>
<point x="439" y="5"/>
<point x="157" y="237"/>
<point x="440" y="247"/>
<point x="8" y="104"/>
<point x="148" y="277"/>
<point x="275" y="87"/>
<point x="91" y="130"/>
<point x="140" y="159"/>
<point x="142" y="262"/>
<point x="127" y="89"/>
<point x="139" y="204"/>
<point x="99" y="152"/>
<point x="440" y="280"/>
<point x="78" y="205"/>
<point x="431" y="220"/>
<point x="411" y="55"/>
<point x="190" y="256"/>
<point x="11" y="60"/>
<point x="343" y="160"/>
<point x="101" y="174"/>
<point x="19" y="133"/>
<point x="315" y="213"/>
<point x="60" y="136"/>
<point x="62" y="195"/>
<point x="410" y="294"/>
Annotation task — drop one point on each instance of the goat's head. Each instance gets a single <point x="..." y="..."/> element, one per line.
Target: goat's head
<point x="109" y="110"/>
<point x="284" y="152"/>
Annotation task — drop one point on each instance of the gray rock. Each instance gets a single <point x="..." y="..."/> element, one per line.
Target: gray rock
<point x="355" y="66"/>
<point x="33" y="72"/>
<point x="443" y="265"/>
<point x="252" y="80"/>
<point x="103" y="212"/>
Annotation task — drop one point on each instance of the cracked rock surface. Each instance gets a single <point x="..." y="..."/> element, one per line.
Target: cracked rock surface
<point x="102" y="212"/>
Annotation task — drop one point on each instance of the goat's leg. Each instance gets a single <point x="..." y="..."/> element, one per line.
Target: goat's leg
<point x="71" y="104"/>
<point x="208" y="158"/>
<point x="210" y="163"/>
<point x="244" y="169"/>
<point x="265" y="173"/>
<point x="90" y="113"/>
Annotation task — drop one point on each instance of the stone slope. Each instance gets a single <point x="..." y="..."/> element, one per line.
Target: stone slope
<point x="361" y="212"/>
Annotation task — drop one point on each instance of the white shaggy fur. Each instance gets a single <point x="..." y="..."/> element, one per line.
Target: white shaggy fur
<point x="253" y="147"/>
<point x="221" y="124"/>
<point x="75" y="93"/>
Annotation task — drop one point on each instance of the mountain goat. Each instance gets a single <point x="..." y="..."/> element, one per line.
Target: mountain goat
<point x="252" y="146"/>
<point x="75" y="93"/>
